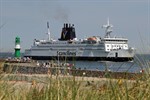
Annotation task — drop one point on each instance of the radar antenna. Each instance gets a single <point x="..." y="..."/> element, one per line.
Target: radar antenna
<point x="108" y="30"/>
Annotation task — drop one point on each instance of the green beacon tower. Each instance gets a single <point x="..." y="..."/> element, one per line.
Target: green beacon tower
<point x="17" y="47"/>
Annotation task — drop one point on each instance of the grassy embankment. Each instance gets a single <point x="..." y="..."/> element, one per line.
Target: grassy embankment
<point x="73" y="88"/>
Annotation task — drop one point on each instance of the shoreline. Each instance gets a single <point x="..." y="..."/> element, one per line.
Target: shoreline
<point x="32" y="68"/>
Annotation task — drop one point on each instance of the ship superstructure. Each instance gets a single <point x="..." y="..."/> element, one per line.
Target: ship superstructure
<point x="68" y="47"/>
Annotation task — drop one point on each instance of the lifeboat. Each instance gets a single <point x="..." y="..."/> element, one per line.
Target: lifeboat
<point x="92" y="38"/>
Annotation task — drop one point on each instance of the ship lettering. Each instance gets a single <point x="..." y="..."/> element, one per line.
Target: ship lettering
<point x="66" y="53"/>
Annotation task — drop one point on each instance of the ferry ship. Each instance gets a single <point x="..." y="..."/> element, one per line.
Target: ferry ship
<point x="94" y="48"/>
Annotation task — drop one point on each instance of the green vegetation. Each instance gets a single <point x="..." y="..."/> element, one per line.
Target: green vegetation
<point x="58" y="87"/>
<point x="71" y="89"/>
<point x="1" y="65"/>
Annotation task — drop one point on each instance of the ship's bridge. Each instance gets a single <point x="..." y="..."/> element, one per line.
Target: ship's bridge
<point x="118" y="40"/>
<point x="115" y="44"/>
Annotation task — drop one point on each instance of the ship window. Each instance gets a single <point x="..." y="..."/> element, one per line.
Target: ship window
<point x="107" y="45"/>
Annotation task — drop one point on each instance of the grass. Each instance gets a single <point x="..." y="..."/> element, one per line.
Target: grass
<point x="49" y="87"/>
<point x="1" y="65"/>
<point x="59" y="88"/>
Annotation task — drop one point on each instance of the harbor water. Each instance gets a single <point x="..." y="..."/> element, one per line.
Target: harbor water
<point x="140" y="62"/>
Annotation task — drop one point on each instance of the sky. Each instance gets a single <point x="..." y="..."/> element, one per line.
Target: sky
<point x="27" y="19"/>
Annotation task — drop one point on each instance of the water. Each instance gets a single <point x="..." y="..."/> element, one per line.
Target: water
<point x="141" y="62"/>
<point x="6" y="54"/>
<point x="111" y="66"/>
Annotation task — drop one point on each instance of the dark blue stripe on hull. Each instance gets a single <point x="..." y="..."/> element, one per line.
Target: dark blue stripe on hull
<point x="117" y="59"/>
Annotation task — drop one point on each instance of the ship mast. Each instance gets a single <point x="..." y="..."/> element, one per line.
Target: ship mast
<point x="49" y="34"/>
<point x="108" y="30"/>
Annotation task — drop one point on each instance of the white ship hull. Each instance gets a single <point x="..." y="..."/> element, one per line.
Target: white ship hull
<point x="96" y="52"/>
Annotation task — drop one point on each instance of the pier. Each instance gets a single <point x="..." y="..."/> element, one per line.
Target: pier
<point x="64" y="70"/>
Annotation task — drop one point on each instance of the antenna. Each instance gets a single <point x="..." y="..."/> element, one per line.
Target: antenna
<point x="108" y="30"/>
<point x="108" y="21"/>
<point x="49" y="34"/>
